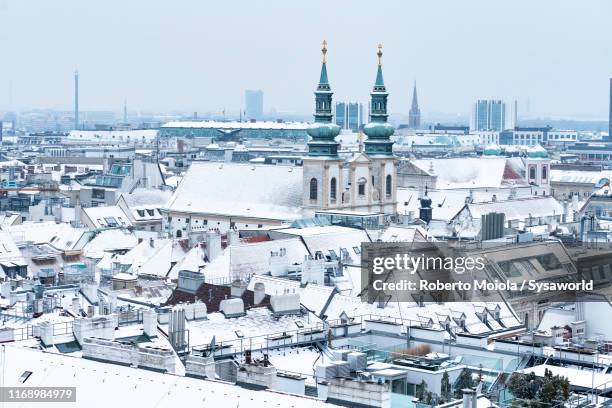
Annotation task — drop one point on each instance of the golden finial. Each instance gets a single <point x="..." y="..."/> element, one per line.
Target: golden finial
<point x="324" y="50"/>
<point x="379" y="53"/>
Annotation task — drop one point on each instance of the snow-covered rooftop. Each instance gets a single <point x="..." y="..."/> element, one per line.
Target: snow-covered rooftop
<point x="237" y="125"/>
<point x="446" y="203"/>
<point x="61" y="236"/>
<point x="520" y="208"/>
<point x="258" y="323"/>
<point x="148" y="197"/>
<point x="109" y="240"/>
<point x="472" y="172"/>
<point x="234" y="189"/>
<point x="106" y="385"/>
<point x="597" y="178"/>
<point x="106" y="217"/>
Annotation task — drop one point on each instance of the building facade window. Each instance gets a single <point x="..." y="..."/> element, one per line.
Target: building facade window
<point x="332" y="189"/>
<point x="389" y="185"/>
<point x="313" y="188"/>
<point x="532" y="173"/>
<point x="361" y="186"/>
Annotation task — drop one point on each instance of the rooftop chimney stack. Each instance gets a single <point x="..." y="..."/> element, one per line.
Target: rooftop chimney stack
<point x="469" y="398"/>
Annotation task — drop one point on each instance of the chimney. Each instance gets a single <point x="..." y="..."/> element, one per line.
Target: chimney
<point x="494" y="198"/>
<point x="469" y="398"/>
<point x="512" y="195"/>
<point x="259" y="292"/>
<point x="213" y="244"/>
<point x="237" y="289"/>
<point x="425" y="210"/>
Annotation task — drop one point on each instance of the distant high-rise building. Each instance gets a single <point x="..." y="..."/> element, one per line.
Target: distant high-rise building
<point x="254" y="104"/>
<point x="489" y="114"/>
<point x="76" y="99"/>
<point x="355" y="116"/>
<point x="349" y="115"/>
<point x="340" y="115"/>
<point x="610" y="115"/>
<point x="414" y="115"/>
<point x="513" y="115"/>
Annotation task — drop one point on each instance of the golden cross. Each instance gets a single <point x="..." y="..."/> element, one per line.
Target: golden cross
<point x="324" y="50"/>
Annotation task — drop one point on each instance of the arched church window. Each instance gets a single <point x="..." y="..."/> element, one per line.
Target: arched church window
<point x="544" y="172"/>
<point x="361" y="186"/>
<point x="532" y="172"/>
<point x="313" y="188"/>
<point x="332" y="189"/>
<point x="388" y="185"/>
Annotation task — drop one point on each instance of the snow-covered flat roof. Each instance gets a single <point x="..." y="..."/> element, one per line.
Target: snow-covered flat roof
<point x="596" y="178"/>
<point x="107" y="385"/>
<point x="582" y="378"/>
<point x="237" y="125"/>
<point x="258" y="323"/>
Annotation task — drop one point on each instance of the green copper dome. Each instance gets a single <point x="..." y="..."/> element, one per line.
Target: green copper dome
<point x="492" y="150"/>
<point x="378" y="130"/>
<point x="537" y="152"/>
<point x="323" y="130"/>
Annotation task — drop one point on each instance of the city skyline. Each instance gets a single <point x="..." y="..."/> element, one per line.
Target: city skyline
<point x="111" y="57"/>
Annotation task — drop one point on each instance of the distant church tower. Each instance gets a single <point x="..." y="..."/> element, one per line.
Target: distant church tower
<point x="414" y="115"/>
<point x="322" y="168"/>
<point x="373" y="174"/>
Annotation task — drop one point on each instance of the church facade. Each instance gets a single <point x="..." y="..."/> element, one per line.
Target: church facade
<point x="366" y="182"/>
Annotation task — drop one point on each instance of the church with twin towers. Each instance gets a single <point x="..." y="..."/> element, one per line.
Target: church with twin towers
<point x="365" y="182"/>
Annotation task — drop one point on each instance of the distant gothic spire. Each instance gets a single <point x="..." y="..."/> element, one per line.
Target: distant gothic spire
<point x="414" y="115"/>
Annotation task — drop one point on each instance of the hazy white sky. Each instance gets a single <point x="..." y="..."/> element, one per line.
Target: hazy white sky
<point x="200" y="55"/>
